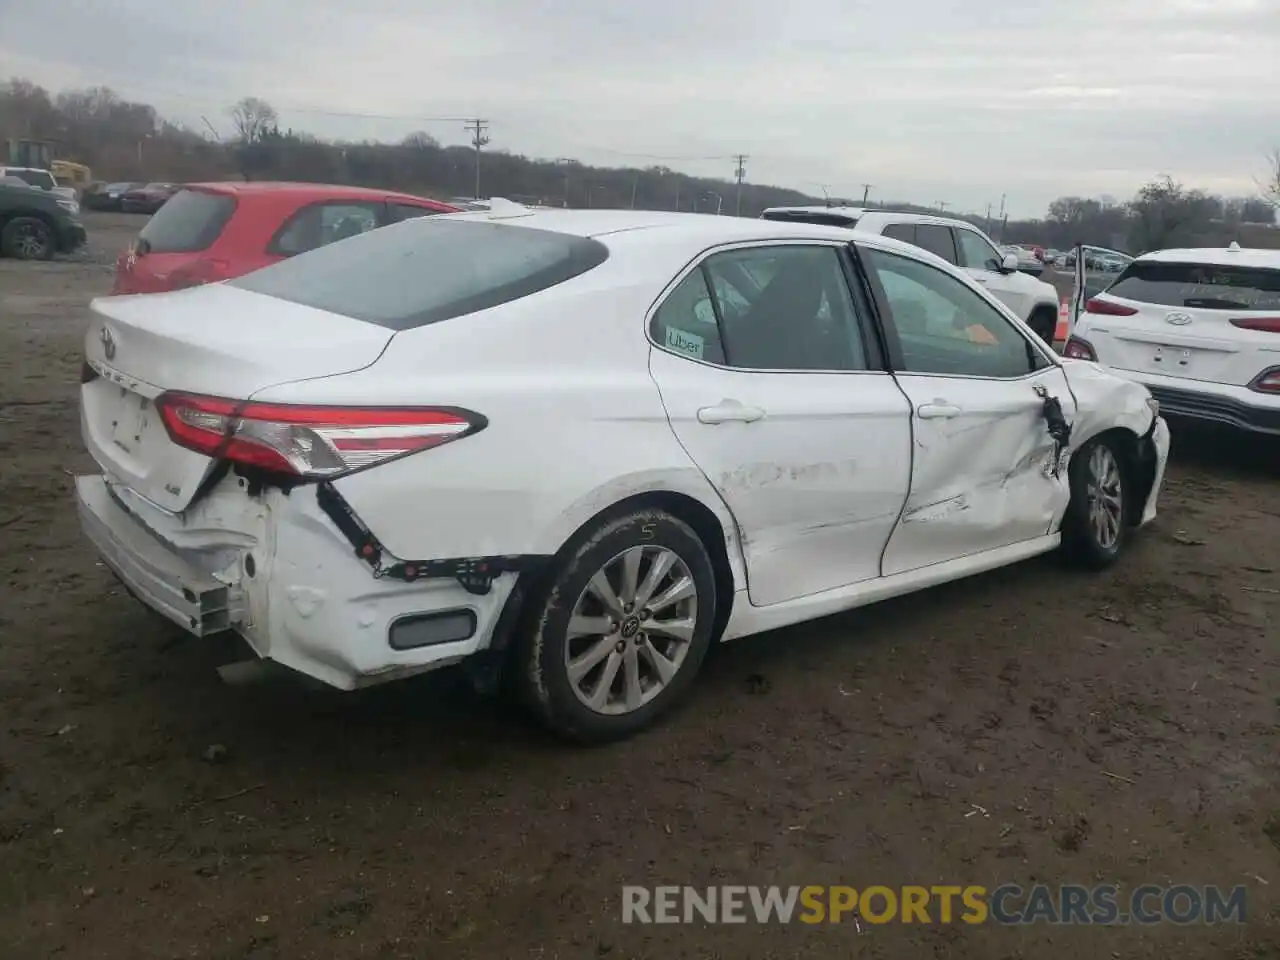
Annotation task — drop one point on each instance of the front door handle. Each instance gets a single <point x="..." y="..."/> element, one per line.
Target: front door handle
<point x="937" y="410"/>
<point x="730" y="411"/>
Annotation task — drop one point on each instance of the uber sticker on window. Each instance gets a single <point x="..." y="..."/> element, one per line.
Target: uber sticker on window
<point x="685" y="342"/>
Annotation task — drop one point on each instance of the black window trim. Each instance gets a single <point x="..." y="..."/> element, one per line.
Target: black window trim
<point x="863" y="310"/>
<point x="379" y="207"/>
<point x="884" y="321"/>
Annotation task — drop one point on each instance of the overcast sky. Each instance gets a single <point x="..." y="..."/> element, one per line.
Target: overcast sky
<point x="927" y="100"/>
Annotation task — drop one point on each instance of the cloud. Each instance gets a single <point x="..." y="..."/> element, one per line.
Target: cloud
<point x="926" y="100"/>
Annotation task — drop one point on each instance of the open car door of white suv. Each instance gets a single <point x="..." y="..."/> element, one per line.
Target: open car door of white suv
<point x="1094" y="269"/>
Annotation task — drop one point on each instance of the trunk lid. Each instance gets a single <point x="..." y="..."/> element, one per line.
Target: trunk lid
<point x="216" y="340"/>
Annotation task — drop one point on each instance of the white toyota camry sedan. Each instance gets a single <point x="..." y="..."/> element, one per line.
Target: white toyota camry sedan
<point x="580" y="446"/>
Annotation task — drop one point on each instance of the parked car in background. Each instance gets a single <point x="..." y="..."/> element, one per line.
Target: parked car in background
<point x="108" y="196"/>
<point x="1199" y="328"/>
<point x="959" y="243"/>
<point x="34" y="223"/>
<point x="581" y="446"/>
<point x="42" y="180"/>
<point x="214" y="231"/>
<point x="147" y="198"/>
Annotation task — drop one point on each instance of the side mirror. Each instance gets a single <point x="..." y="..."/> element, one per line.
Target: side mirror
<point x="1010" y="263"/>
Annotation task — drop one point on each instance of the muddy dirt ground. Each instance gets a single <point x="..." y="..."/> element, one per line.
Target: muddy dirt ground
<point x="1115" y="728"/>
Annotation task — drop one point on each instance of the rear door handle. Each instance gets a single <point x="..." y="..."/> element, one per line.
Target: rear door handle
<point x="937" y="410"/>
<point x="730" y="411"/>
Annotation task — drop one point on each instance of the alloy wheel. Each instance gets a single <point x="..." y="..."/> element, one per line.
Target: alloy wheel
<point x="1105" y="496"/>
<point x="631" y="629"/>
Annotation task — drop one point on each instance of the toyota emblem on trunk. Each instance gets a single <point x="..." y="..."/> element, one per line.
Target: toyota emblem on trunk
<point x="1178" y="319"/>
<point x="108" y="344"/>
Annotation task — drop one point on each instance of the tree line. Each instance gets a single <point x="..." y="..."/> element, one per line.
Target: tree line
<point x="121" y="139"/>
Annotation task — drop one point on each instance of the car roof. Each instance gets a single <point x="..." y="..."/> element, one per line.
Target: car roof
<point x="1216" y="256"/>
<point x="279" y="188"/>
<point x="685" y="234"/>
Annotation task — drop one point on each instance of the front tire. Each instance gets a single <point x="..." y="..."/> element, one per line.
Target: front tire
<point x="1096" y="525"/>
<point x="617" y="636"/>
<point x="27" y="238"/>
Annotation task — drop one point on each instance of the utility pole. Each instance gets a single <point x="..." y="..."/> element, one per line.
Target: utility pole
<point x="477" y="130"/>
<point x="740" y="174"/>
<point x="866" y="192"/>
<point x="565" y="162"/>
<point x="634" y="184"/>
<point x="942" y="206"/>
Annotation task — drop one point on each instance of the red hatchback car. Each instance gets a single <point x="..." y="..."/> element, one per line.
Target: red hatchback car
<point x="215" y="231"/>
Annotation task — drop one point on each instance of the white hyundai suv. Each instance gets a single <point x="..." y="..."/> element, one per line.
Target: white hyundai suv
<point x="1199" y="328"/>
<point x="956" y="241"/>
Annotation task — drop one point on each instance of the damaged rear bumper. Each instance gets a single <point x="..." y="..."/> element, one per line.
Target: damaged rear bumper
<point x="276" y="571"/>
<point x="152" y="571"/>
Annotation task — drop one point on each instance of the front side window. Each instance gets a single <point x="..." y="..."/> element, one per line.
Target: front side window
<point x="946" y="328"/>
<point x="323" y="223"/>
<point x="976" y="253"/>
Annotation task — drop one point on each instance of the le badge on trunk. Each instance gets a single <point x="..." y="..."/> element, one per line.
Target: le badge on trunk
<point x="108" y="343"/>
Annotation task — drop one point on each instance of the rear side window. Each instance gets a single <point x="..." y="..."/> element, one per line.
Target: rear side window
<point x="323" y="223"/>
<point x="1204" y="285"/>
<point x="811" y="216"/>
<point x="188" y="222"/>
<point x="937" y="240"/>
<point x="427" y="270"/>
<point x="906" y="232"/>
<point x="408" y="211"/>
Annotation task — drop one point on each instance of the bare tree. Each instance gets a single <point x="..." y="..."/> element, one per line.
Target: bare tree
<point x="253" y="119"/>
<point x="1271" y="186"/>
<point x="1165" y="213"/>
<point x="421" y="140"/>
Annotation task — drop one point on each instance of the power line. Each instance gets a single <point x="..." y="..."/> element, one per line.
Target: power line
<point x="740" y="174"/>
<point x="477" y="127"/>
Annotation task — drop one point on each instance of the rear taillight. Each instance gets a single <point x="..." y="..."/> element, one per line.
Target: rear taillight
<point x="308" y="441"/>
<point x="1108" y="309"/>
<point x="1268" y="381"/>
<point x="1265" y="324"/>
<point x="1078" y="349"/>
<point x="200" y="272"/>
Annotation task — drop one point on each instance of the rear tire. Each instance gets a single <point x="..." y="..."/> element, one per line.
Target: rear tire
<point x="617" y="635"/>
<point x="1096" y="525"/>
<point x="27" y="238"/>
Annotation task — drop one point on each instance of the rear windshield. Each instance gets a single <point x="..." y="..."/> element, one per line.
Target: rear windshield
<point x="810" y="216"/>
<point x="426" y="270"/>
<point x="189" y="221"/>
<point x="1204" y="285"/>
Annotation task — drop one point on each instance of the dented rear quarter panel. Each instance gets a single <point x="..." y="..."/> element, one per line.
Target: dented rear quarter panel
<point x="566" y="438"/>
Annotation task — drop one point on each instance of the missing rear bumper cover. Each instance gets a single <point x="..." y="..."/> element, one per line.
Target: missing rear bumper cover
<point x="475" y="574"/>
